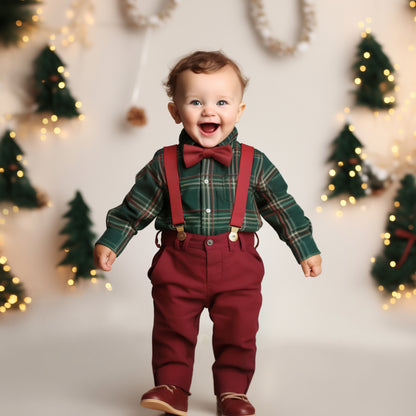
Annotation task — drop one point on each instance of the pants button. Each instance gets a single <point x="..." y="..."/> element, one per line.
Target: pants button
<point x="210" y="242"/>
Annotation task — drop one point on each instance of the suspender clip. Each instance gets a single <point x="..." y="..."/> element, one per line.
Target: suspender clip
<point x="233" y="236"/>
<point x="181" y="236"/>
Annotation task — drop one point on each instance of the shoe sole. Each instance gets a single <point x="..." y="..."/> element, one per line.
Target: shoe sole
<point x="219" y="413"/>
<point x="160" y="405"/>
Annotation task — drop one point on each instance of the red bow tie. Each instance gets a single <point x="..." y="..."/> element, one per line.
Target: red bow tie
<point x="194" y="154"/>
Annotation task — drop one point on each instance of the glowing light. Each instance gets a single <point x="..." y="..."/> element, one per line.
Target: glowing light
<point x="392" y="264"/>
<point x="60" y="69"/>
<point x="351" y="173"/>
<point x="367" y="55"/>
<point x="343" y="202"/>
<point x="20" y="173"/>
<point x="392" y="218"/>
<point x="396" y="204"/>
<point x="12" y="299"/>
<point x="381" y="288"/>
<point x="93" y="272"/>
<point x="358" y="150"/>
<point x="357" y="81"/>
<point x="331" y="187"/>
<point x="70" y="282"/>
<point x="352" y="200"/>
<point x="324" y="198"/>
<point x="363" y="68"/>
<point x="61" y="85"/>
<point x="16" y="280"/>
<point x="74" y="269"/>
<point x="332" y="172"/>
<point x="108" y="287"/>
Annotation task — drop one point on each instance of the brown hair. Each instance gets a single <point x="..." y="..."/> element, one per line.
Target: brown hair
<point x="201" y="62"/>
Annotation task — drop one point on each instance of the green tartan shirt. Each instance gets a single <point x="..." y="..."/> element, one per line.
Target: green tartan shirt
<point x="207" y="191"/>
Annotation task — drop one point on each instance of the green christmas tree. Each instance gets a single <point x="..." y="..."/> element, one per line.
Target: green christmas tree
<point x="15" y="186"/>
<point x="17" y="19"/>
<point x="53" y="94"/>
<point x="12" y="293"/>
<point x="79" y="245"/>
<point x="350" y="175"/>
<point x="396" y="265"/>
<point x="374" y="75"/>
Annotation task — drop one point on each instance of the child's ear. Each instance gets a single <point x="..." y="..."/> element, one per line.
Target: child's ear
<point x="241" y="109"/>
<point x="173" y="110"/>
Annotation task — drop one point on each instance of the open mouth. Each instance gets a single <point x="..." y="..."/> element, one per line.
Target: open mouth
<point x="209" y="128"/>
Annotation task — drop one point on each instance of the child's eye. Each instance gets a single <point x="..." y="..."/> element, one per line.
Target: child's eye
<point x="221" y="102"/>
<point x="196" y="102"/>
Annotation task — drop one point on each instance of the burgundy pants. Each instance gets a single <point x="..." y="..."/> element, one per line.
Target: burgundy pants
<point x="217" y="274"/>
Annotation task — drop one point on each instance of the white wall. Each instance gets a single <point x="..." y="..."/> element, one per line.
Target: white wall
<point x="293" y="113"/>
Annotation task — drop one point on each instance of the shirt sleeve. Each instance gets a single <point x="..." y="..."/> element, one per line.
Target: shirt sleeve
<point x="282" y="212"/>
<point x="139" y="207"/>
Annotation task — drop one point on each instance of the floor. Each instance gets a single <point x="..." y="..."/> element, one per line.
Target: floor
<point x="54" y="362"/>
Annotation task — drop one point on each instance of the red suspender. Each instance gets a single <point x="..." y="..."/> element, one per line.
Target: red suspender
<point x="172" y="179"/>
<point x="240" y="201"/>
<point x="243" y="182"/>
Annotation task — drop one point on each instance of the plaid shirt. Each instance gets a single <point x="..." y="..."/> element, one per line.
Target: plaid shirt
<point x="207" y="191"/>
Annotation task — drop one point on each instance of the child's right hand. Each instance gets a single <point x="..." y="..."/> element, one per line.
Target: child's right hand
<point x="103" y="257"/>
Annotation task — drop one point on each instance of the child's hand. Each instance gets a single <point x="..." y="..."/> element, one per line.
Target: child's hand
<point x="312" y="266"/>
<point x="103" y="257"/>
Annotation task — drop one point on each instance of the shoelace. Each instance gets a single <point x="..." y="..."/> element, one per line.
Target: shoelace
<point x="237" y="396"/>
<point x="166" y="386"/>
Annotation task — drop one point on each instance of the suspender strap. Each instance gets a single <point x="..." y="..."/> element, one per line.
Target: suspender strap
<point x="172" y="179"/>
<point x="240" y="200"/>
<point x="243" y="183"/>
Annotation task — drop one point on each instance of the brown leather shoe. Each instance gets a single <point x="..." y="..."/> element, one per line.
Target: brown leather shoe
<point x="234" y="404"/>
<point x="167" y="398"/>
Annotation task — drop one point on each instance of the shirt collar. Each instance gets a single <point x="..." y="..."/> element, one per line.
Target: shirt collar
<point x="184" y="138"/>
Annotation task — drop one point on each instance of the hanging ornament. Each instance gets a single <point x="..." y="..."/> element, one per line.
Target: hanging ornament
<point x="277" y="46"/>
<point x="136" y="18"/>
<point x="136" y="115"/>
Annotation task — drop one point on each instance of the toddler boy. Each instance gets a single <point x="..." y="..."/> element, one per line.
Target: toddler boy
<point x="208" y="195"/>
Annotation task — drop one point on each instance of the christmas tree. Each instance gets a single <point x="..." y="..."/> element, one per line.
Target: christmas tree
<point x="17" y="19"/>
<point x="15" y="186"/>
<point x="53" y="94"/>
<point x="396" y="266"/>
<point x="12" y="294"/>
<point x="373" y="75"/>
<point x="351" y="175"/>
<point x="79" y="245"/>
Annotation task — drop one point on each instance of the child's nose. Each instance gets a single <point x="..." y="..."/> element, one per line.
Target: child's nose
<point x="208" y="110"/>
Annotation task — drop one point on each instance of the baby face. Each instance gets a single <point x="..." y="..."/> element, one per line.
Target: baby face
<point x="208" y="105"/>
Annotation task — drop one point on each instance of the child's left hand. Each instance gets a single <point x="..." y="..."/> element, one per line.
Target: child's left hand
<point x="312" y="266"/>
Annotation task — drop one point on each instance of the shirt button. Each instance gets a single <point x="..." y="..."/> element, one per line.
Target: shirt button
<point x="206" y="181"/>
<point x="208" y="210"/>
<point x="210" y="242"/>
